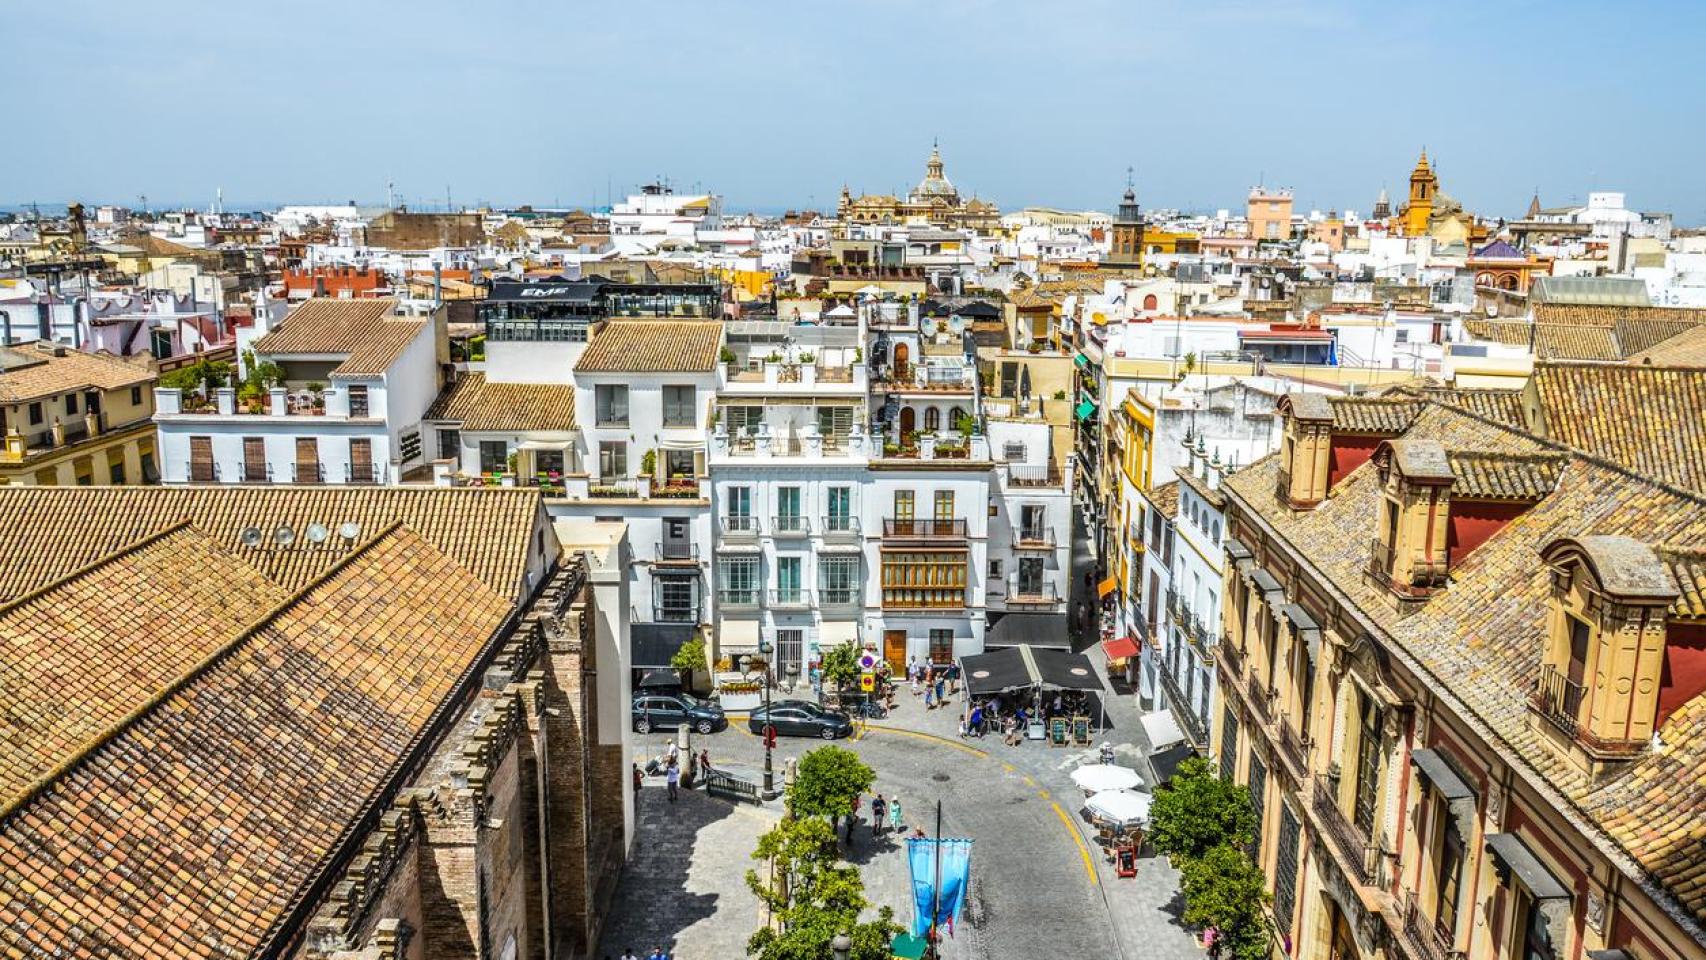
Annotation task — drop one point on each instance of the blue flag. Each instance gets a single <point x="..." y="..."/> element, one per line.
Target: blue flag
<point x="956" y="879"/>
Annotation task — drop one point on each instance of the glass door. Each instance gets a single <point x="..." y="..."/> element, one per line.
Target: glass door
<point x="788" y="580"/>
<point x="840" y="516"/>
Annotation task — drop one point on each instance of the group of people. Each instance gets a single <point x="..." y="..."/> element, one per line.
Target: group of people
<point x="658" y="953"/>
<point x="935" y="683"/>
<point x="1010" y="718"/>
<point x="672" y="773"/>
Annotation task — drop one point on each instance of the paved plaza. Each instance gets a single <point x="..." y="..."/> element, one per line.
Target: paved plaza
<point x="1040" y="884"/>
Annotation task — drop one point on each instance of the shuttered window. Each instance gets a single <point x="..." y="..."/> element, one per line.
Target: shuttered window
<point x="201" y="459"/>
<point x="361" y="461"/>
<point x="1258" y="792"/>
<point x="254" y="460"/>
<point x="307" y="460"/>
<point x="1228" y="744"/>
<point x="1285" y="872"/>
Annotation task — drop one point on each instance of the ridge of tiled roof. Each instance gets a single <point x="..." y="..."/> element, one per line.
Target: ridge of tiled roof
<point x="1688" y="566"/>
<point x="1372" y="414"/>
<point x="653" y="346"/>
<point x="366" y="333"/>
<point x="221" y="801"/>
<point x="1493" y="403"/>
<point x="478" y="404"/>
<point x="1504" y="476"/>
<point x="1687" y="349"/>
<point x="1477" y="642"/>
<point x="1649" y="419"/>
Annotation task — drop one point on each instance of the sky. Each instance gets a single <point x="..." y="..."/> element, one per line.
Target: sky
<point x="777" y="105"/>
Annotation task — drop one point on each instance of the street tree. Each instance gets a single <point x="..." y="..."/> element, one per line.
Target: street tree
<point x="1197" y="811"/>
<point x="827" y="781"/>
<point x="1224" y="890"/>
<point x="690" y="657"/>
<point x="841" y="666"/>
<point x="812" y="896"/>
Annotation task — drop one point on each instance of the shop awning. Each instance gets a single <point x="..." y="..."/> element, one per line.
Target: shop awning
<point x="1106" y="587"/>
<point x="1082" y="361"/>
<point x="1513" y="858"/>
<point x="1063" y="669"/>
<point x="544" y="444"/>
<point x="994" y="672"/>
<point x="1086" y="410"/>
<point x="1160" y="729"/>
<point x="654" y="644"/>
<point x="1035" y="629"/>
<point x="1012" y="668"/>
<point x="737" y="635"/>
<point x="1120" y="648"/>
<point x="1165" y="763"/>
<point x="834" y="633"/>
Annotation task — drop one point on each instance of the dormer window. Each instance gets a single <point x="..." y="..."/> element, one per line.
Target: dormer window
<point x="1305" y="450"/>
<point x="1603" y="664"/>
<point x="1408" y="553"/>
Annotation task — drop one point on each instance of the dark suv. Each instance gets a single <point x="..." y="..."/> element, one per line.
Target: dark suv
<point x="667" y="711"/>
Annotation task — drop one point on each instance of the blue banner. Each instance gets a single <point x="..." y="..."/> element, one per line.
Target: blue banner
<point x="956" y="880"/>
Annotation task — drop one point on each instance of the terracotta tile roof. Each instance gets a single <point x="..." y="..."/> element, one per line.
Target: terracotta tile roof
<point x="1551" y="341"/>
<point x="1575" y="332"/>
<point x="1165" y="498"/>
<point x="1610" y="316"/>
<point x="653" y="346"/>
<point x="189" y="831"/>
<point x="480" y="405"/>
<point x="1372" y="414"/>
<point x="87" y="649"/>
<point x="1649" y="419"/>
<point x="1683" y="350"/>
<point x="31" y="373"/>
<point x="1637" y="336"/>
<point x="1505" y="406"/>
<point x="1504" y="476"/>
<point x="1688" y="566"/>
<point x="366" y="334"/>
<point x="1481" y="639"/>
<point x="47" y="533"/>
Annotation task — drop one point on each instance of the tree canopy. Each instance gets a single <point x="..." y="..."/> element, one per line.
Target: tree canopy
<point x="1198" y="811"/>
<point x="812" y="897"/>
<point x="1205" y="824"/>
<point x="827" y="781"/>
<point x="841" y="665"/>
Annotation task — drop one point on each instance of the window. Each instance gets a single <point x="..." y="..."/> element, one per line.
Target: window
<point x="941" y="646"/>
<point x="839" y="518"/>
<point x="1030" y="581"/>
<point x="1535" y="941"/>
<point x="136" y="396"/>
<point x="835" y="423"/>
<point x="932" y="420"/>
<point x="1228" y="743"/>
<point x="71" y="403"/>
<point x="677" y="540"/>
<point x="743" y="421"/>
<point x="357" y="401"/>
<point x="1258" y="797"/>
<point x="1285" y="871"/>
<point x="677" y="599"/>
<point x="449" y="444"/>
<point x="790" y="649"/>
<point x="944" y="505"/>
<point x="307" y="460"/>
<point x="679" y="463"/>
<point x="1032" y="522"/>
<point x="115" y="472"/>
<point x="612" y="403"/>
<point x="678" y="404"/>
<point x="150" y="473"/>
<point x="789" y="519"/>
<point x="361" y="461"/>
<point x="740" y="581"/>
<point x="903" y="504"/>
<point x="1368" y="766"/>
<point x="494" y="456"/>
<point x="1449" y="876"/>
<point x="612" y="459"/>
<point x="838" y="580"/>
<point x="924" y="579"/>
<point x="35" y="413"/>
<point x="995" y="568"/>
<point x="788" y="580"/>
<point x="1013" y="451"/>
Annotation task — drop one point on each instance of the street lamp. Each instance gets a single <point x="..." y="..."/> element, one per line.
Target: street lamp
<point x="764" y="647"/>
<point x="841" y="946"/>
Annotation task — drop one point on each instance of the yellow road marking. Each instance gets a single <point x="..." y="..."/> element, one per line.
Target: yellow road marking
<point x="1030" y="781"/>
<point x="1044" y="793"/>
<point x="1077" y="838"/>
<point x="1007" y="767"/>
<point x="944" y="741"/>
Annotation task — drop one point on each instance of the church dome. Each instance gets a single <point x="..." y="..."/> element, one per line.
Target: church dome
<point x="934" y="184"/>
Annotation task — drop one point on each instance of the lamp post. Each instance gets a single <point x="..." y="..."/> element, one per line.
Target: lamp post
<point x="764" y="647"/>
<point x="841" y="946"/>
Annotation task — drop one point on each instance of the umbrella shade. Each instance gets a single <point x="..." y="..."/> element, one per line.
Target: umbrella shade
<point x="1119" y="807"/>
<point x="1097" y="777"/>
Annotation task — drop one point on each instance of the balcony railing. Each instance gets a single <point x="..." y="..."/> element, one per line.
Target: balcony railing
<point x="1035" y="538"/>
<point x="1259" y="697"/>
<point x="1282" y="485"/>
<point x="790" y="525"/>
<point x="255" y="471"/>
<point x="839" y="527"/>
<point x="839" y="598"/>
<point x="613" y="489"/>
<point x="1034" y="474"/>
<point x="903" y="529"/>
<point x="201" y="471"/>
<point x="1176" y="607"/>
<point x="364" y="473"/>
<point x="790" y="598"/>
<point x="736" y="527"/>
<point x="1294" y="746"/>
<point x="740" y="599"/>
<point x="1426" y="939"/>
<point x="1559" y="700"/>
<point x="307" y="473"/>
<point x="1189" y="723"/>
<point x="1200" y="638"/>
<point x="678" y="551"/>
<point x="684" y="488"/>
<point x="1364" y="858"/>
<point x="1232" y="658"/>
<point x="1033" y="593"/>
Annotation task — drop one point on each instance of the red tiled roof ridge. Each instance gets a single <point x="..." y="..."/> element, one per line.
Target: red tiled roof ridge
<point x="90" y="567"/>
<point x="170" y="689"/>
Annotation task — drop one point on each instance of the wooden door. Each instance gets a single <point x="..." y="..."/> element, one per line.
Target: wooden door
<point x="908" y="423"/>
<point x="894" y="649"/>
<point x="901" y="356"/>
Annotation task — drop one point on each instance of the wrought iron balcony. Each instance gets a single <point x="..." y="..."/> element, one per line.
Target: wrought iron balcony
<point x="790" y="525"/>
<point x="740" y="528"/>
<point x="909" y="529"/>
<point x="255" y="471"/>
<point x="201" y="471"/>
<point x="1294" y="746"/>
<point x="1363" y="857"/>
<point x="839" y="527"/>
<point x="790" y="598"/>
<point x="677" y="551"/>
<point x="1423" y="937"/>
<point x="1558" y="699"/>
<point x="307" y="473"/>
<point x="1260" y="697"/>
<point x="739" y="599"/>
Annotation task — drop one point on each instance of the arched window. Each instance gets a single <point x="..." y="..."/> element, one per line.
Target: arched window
<point x="1150" y="302"/>
<point x="954" y="415"/>
<point x="932" y="420"/>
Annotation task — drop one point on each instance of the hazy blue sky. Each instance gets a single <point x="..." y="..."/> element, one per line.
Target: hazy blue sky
<point x="778" y="104"/>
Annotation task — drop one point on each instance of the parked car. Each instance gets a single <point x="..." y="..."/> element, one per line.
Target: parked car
<point x="668" y="711"/>
<point x="799" y="718"/>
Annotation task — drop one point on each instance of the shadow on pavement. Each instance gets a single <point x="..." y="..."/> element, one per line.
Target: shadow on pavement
<point x="653" y="904"/>
<point x="865" y="847"/>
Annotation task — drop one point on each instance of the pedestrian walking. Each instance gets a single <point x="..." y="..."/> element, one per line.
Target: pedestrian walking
<point x="879" y="807"/>
<point x="672" y="776"/>
<point x="940" y="685"/>
<point x="977" y="721"/>
<point x="897" y="822"/>
<point x="639" y="778"/>
<point x="629" y="954"/>
<point x="965" y="727"/>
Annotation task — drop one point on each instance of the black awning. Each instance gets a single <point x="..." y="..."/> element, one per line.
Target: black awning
<point x="654" y="644"/>
<point x="1513" y="857"/>
<point x="997" y="671"/>
<point x="572" y="291"/>
<point x="1165" y="762"/>
<point x="1437" y="772"/>
<point x="1036" y="629"/>
<point x="1063" y="669"/>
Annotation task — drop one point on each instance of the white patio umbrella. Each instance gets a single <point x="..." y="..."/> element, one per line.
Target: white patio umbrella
<point x="1097" y="777"/>
<point x="1119" y="807"/>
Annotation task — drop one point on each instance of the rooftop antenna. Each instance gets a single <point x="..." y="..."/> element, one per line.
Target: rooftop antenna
<point x="390" y="195"/>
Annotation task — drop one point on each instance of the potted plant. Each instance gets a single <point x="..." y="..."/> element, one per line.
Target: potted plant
<point x="1034" y="347"/>
<point x="318" y="390"/>
<point x="1060" y="394"/>
<point x="808" y="357"/>
<point x="648" y="463"/>
<point x="726" y="355"/>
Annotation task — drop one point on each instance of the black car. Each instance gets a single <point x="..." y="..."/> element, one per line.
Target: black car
<point x="799" y="718"/>
<point x="667" y="711"/>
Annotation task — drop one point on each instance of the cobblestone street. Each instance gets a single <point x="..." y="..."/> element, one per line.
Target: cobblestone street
<point x="1040" y="885"/>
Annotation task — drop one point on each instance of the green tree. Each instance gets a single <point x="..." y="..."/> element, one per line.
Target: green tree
<point x="841" y="665"/>
<point x="689" y="658"/>
<point x="1224" y="890"/>
<point x="826" y="782"/>
<point x="811" y="896"/>
<point x="1197" y="812"/>
<point x="200" y="375"/>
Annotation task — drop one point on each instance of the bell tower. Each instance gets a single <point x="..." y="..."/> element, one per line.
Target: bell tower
<point x="1125" y="251"/>
<point x="1424" y="184"/>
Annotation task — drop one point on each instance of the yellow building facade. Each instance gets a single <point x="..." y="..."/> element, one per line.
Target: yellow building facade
<point x="75" y="419"/>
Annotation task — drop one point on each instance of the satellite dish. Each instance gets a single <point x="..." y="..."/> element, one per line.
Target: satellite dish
<point x="957" y="324"/>
<point x="350" y="530"/>
<point x="284" y="536"/>
<point x="317" y="533"/>
<point x="251" y="536"/>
